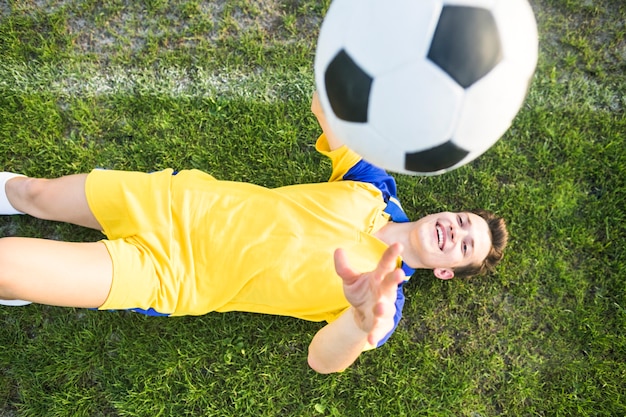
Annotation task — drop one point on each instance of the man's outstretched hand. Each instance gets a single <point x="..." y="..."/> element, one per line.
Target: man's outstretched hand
<point x="372" y="294"/>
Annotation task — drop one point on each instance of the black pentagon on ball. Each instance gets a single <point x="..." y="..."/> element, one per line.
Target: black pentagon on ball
<point x="434" y="159"/>
<point x="347" y="88"/>
<point x="466" y="44"/>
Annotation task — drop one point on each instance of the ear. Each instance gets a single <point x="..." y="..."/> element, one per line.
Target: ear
<point x="443" y="273"/>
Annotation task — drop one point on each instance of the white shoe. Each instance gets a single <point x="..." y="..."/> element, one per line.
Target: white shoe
<point x="14" y="303"/>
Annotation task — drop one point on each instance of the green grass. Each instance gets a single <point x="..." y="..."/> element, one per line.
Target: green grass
<point x="225" y="87"/>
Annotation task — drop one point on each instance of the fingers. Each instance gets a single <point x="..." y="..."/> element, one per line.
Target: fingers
<point x="372" y="293"/>
<point x="392" y="278"/>
<point x="373" y="338"/>
<point x="383" y="322"/>
<point x="315" y="100"/>
<point x="385" y="308"/>
<point x="389" y="261"/>
<point x="343" y="268"/>
<point x="316" y="107"/>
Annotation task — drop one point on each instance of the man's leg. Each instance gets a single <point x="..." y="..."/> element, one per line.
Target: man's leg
<point x="60" y="199"/>
<point x="50" y="272"/>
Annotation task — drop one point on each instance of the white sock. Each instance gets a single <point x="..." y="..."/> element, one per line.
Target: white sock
<point x="14" y="303"/>
<point x="5" y="207"/>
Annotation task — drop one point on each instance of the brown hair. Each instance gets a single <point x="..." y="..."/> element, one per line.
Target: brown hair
<point x="499" y="238"/>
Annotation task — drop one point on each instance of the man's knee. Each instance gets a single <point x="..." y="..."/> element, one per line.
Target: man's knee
<point x="28" y="195"/>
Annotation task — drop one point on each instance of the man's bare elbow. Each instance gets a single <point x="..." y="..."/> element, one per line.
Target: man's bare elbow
<point x="322" y="368"/>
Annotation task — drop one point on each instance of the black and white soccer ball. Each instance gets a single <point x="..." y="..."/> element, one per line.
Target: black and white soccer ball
<point x="424" y="86"/>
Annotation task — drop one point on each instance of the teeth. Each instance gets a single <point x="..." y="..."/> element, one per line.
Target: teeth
<point x="439" y="237"/>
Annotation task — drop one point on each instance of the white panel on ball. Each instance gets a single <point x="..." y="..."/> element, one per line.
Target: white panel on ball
<point x="407" y="39"/>
<point x="429" y="96"/>
<point x="517" y="26"/>
<point x="380" y="152"/>
<point x="491" y="105"/>
<point x="485" y="4"/>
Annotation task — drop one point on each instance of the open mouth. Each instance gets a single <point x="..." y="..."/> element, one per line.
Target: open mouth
<point x="440" y="237"/>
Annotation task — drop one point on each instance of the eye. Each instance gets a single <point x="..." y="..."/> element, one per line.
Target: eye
<point x="460" y="220"/>
<point x="464" y="248"/>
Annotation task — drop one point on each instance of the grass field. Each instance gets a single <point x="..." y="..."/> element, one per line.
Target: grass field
<point x="225" y="86"/>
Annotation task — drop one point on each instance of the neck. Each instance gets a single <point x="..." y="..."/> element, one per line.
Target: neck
<point x="400" y="233"/>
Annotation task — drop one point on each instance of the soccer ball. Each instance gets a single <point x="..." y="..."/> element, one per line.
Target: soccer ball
<point x="424" y="86"/>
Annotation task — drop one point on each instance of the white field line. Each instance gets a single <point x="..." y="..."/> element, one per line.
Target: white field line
<point x="92" y="81"/>
<point x="174" y="82"/>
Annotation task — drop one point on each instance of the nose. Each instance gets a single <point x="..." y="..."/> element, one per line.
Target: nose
<point x="457" y="233"/>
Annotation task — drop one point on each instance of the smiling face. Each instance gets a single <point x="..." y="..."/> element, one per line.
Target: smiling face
<point x="444" y="241"/>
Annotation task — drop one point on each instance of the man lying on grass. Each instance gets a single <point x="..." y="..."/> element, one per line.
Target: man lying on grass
<point x="187" y="244"/>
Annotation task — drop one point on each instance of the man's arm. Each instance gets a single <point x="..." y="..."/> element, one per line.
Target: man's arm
<point x="372" y="296"/>
<point x="316" y="108"/>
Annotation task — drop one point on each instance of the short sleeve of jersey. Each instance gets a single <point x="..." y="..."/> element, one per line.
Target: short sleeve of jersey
<point x="349" y="166"/>
<point x="342" y="158"/>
